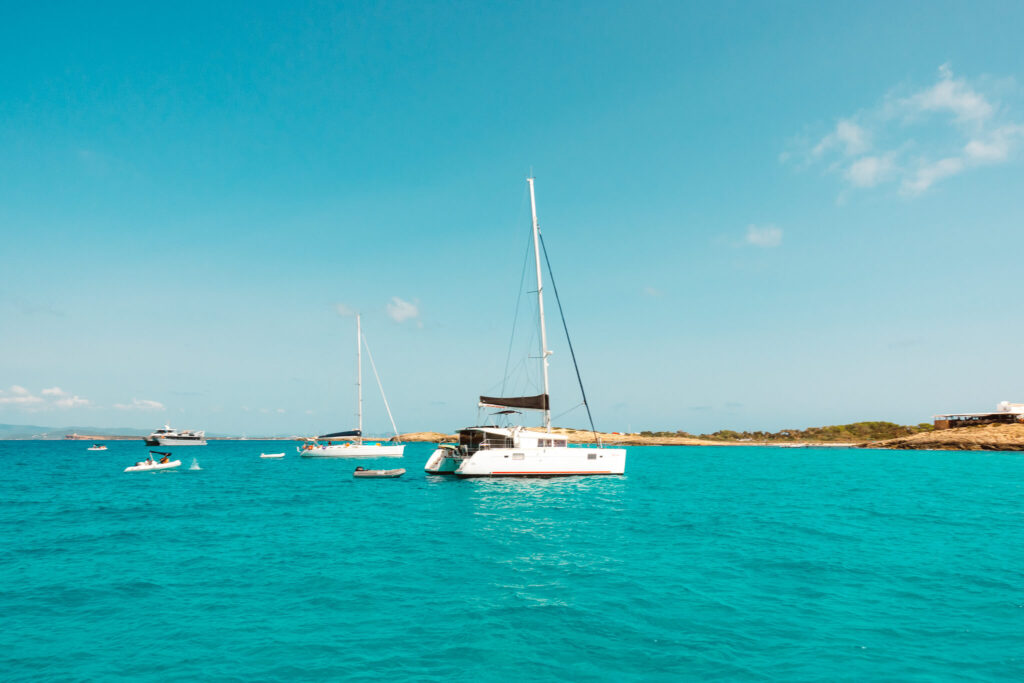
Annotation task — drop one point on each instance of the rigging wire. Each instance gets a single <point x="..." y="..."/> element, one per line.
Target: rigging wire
<point x="515" y="319"/>
<point x="565" y="326"/>
<point x="380" y="386"/>
<point x="561" y="415"/>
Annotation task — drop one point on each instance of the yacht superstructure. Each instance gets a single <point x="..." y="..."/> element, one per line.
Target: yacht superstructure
<point x="516" y="451"/>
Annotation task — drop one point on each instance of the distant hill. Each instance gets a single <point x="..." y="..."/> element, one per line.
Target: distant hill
<point x="39" y="432"/>
<point x="856" y="432"/>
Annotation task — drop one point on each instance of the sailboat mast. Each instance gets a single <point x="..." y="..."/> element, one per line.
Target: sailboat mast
<point x="544" y="353"/>
<point x="359" y="372"/>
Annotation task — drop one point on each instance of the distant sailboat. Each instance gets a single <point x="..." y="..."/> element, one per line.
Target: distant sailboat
<point x="353" y="446"/>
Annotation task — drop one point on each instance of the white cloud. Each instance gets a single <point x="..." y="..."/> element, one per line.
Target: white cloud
<point x="851" y="137"/>
<point x="20" y="397"/>
<point x="868" y="171"/>
<point x="344" y="311"/>
<point x="951" y="95"/>
<point x="653" y="291"/>
<point x="280" y="411"/>
<point x="54" y="397"/>
<point x="401" y="310"/>
<point x="930" y="173"/>
<point x="763" y="236"/>
<point x="140" y="404"/>
<point x="994" y="147"/>
<point x="918" y="138"/>
<point x="71" y="402"/>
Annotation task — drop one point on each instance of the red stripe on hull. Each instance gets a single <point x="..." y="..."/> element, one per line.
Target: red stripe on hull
<point x="531" y="474"/>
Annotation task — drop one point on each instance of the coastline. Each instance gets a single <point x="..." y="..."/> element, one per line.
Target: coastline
<point x="1000" y="437"/>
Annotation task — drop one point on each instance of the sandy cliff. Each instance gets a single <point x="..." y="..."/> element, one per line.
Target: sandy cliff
<point x="984" y="438"/>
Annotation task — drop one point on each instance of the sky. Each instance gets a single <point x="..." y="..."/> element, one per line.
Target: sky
<point x="759" y="215"/>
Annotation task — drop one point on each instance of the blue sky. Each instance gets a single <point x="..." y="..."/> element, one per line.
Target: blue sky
<point x="760" y="215"/>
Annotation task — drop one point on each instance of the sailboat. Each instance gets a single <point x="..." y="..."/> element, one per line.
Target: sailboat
<point x="516" y="451"/>
<point x="352" y="445"/>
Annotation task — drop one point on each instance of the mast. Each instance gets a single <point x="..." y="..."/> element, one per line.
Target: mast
<point x="359" y="373"/>
<point x="544" y="353"/>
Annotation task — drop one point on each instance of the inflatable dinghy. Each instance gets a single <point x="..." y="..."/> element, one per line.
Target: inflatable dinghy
<point x="378" y="474"/>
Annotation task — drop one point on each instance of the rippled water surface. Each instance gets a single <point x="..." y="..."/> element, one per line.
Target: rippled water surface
<point x="731" y="563"/>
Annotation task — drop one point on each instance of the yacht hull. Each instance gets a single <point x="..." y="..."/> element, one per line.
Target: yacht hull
<point x="175" y="442"/>
<point x="543" y="462"/>
<point x="353" y="451"/>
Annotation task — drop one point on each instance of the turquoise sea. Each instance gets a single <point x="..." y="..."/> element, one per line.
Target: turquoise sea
<point x="729" y="563"/>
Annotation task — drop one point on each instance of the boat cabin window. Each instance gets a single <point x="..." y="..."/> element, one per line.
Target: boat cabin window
<point x="474" y="440"/>
<point x="549" y="443"/>
<point x="591" y="456"/>
<point x="517" y="456"/>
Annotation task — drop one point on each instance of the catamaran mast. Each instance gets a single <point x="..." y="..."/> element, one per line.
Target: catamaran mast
<point x="359" y="373"/>
<point x="544" y="353"/>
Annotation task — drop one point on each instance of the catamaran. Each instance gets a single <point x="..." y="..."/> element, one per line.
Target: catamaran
<point x="352" y="445"/>
<point x="516" y="451"/>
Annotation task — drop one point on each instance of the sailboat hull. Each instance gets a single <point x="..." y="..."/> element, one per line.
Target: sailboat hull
<point x="543" y="462"/>
<point x="353" y="450"/>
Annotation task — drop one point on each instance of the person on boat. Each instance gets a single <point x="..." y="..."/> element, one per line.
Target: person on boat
<point x="360" y="469"/>
<point x="165" y="459"/>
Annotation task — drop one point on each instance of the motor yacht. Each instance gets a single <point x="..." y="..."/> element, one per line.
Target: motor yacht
<point x="166" y="436"/>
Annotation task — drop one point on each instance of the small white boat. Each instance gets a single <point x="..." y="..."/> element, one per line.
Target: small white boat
<point x="378" y="474"/>
<point x="96" y="447"/>
<point x="271" y="455"/>
<point x="152" y="465"/>
<point x="164" y="463"/>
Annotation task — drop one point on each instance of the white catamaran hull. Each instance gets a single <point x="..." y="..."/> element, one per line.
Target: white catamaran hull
<point x="354" y="450"/>
<point x="442" y="461"/>
<point x="530" y="462"/>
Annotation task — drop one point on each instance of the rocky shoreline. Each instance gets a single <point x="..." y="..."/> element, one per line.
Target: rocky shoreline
<point x="997" y="437"/>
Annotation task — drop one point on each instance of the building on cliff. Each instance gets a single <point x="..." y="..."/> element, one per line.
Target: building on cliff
<point x="1005" y="413"/>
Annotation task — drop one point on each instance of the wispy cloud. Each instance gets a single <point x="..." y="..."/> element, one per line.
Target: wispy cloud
<point x="344" y="310"/>
<point x="913" y="139"/>
<point x="71" y="402"/>
<point x="400" y="310"/>
<point x="653" y="292"/>
<point x="19" y="396"/>
<point x="765" y="236"/>
<point x="141" y="404"/>
<point x="54" y="397"/>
